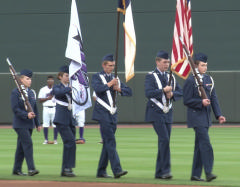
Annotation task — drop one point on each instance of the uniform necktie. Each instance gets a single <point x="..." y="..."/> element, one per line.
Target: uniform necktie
<point x="108" y="78"/>
<point x="164" y="79"/>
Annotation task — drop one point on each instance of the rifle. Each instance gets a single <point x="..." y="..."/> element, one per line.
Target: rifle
<point x="20" y="87"/>
<point x="202" y="92"/>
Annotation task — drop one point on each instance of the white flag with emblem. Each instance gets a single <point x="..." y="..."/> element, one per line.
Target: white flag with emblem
<point x="78" y="68"/>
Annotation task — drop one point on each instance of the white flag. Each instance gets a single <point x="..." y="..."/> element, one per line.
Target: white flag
<point x="130" y="38"/>
<point x="77" y="69"/>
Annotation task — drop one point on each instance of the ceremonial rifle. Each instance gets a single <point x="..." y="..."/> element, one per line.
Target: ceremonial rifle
<point x="20" y="87"/>
<point x="202" y="92"/>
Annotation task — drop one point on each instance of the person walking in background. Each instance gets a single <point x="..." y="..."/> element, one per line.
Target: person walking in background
<point x="23" y="123"/>
<point x="104" y="85"/>
<point x="80" y="122"/>
<point x="49" y="106"/>
<point x="159" y="112"/>
<point x="64" y="121"/>
<point x="199" y="118"/>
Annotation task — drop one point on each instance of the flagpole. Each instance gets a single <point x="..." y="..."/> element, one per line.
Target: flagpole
<point x="169" y="84"/>
<point x="116" y="57"/>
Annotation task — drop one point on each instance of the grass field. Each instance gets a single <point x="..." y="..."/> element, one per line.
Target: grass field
<point x="137" y="149"/>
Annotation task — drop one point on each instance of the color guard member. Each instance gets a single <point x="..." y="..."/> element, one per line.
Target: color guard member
<point x="159" y="113"/>
<point x="104" y="85"/>
<point x="199" y="118"/>
<point x="23" y="123"/>
<point x="64" y="121"/>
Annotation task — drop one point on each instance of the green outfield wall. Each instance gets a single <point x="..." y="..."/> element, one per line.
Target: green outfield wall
<point x="132" y="109"/>
<point x="34" y="34"/>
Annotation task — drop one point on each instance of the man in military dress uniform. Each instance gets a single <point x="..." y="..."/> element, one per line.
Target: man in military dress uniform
<point x="23" y="123"/>
<point x="159" y="110"/>
<point x="199" y="118"/>
<point x="104" y="85"/>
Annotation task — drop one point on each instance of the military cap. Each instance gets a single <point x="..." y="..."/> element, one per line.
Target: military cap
<point x="64" y="69"/>
<point x="163" y="54"/>
<point x="201" y="57"/>
<point x="108" y="57"/>
<point x="26" y="72"/>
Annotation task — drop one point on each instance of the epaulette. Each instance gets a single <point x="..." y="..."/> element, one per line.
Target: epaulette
<point x="151" y="72"/>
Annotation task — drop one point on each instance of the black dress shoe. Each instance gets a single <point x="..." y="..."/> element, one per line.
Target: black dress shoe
<point x="68" y="173"/>
<point x="20" y="173"/>
<point x="210" y="177"/>
<point x="121" y="173"/>
<point x="195" y="178"/>
<point x="32" y="172"/>
<point x="165" y="176"/>
<point x="104" y="176"/>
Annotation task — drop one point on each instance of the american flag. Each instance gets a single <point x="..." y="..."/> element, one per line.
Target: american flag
<point x="183" y="28"/>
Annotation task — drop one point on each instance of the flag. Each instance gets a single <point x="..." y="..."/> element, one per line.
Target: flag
<point x="183" y="28"/>
<point x="125" y="7"/>
<point x="78" y="68"/>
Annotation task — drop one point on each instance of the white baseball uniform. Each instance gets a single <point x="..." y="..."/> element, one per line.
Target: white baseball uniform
<point x="49" y="106"/>
<point x="80" y="118"/>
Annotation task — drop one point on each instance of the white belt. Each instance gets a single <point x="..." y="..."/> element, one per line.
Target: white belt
<point x="69" y="105"/>
<point x="61" y="102"/>
<point x="164" y="108"/>
<point x="112" y="110"/>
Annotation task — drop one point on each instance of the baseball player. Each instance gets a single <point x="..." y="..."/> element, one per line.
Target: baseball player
<point x="49" y="105"/>
<point x="80" y="121"/>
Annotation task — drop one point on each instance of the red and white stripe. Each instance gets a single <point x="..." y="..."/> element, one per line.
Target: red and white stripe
<point x="183" y="28"/>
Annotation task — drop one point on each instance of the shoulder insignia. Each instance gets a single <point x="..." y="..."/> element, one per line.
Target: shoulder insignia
<point x="34" y="93"/>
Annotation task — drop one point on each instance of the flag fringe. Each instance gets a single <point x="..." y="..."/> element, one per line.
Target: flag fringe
<point x="128" y="77"/>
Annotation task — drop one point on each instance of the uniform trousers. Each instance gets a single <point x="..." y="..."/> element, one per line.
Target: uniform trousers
<point x="203" y="152"/>
<point x="67" y="133"/>
<point x="24" y="149"/>
<point x="109" y="152"/>
<point x="163" y="165"/>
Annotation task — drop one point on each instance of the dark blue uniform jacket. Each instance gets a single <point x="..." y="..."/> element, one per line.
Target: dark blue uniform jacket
<point x="197" y="114"/>
<point x="153" y="112"/>
<point x="63" y="115"/>
<point x="99" y="112"/>
<point x="20" y="119"/>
